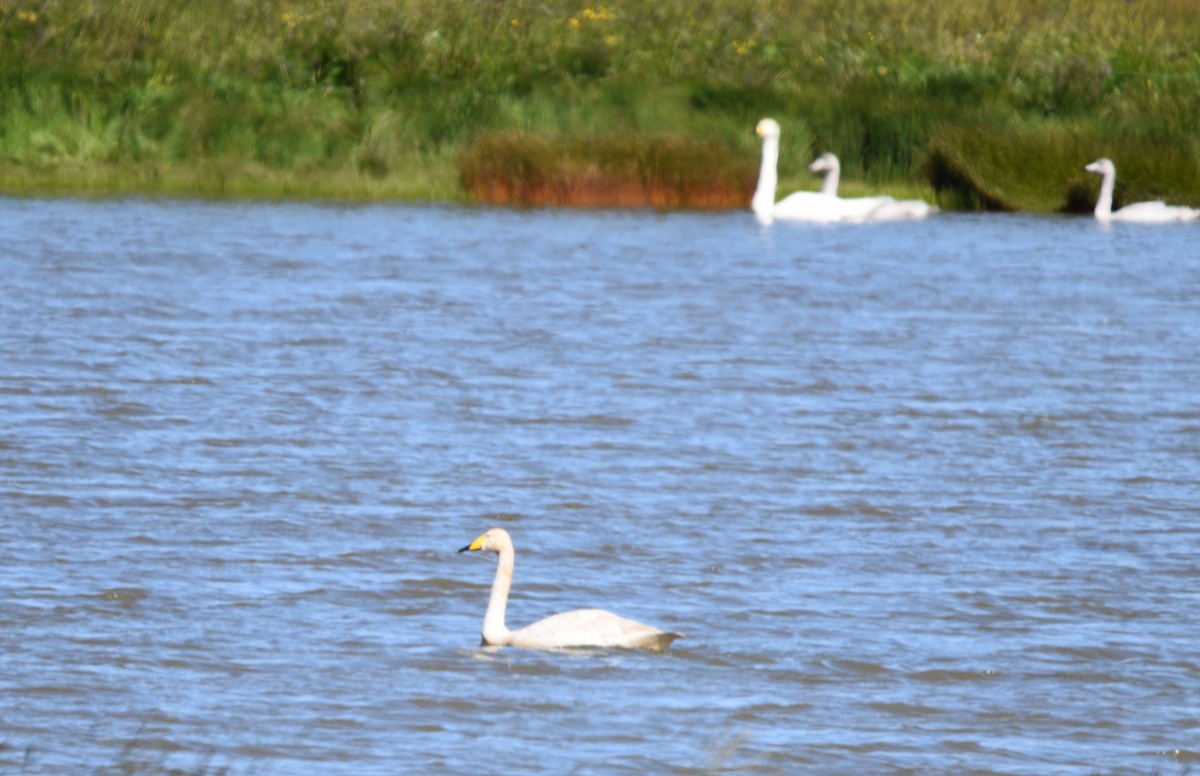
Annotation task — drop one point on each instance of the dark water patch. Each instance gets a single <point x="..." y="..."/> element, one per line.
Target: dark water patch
<point x="904" y="710"/>
<point x="124" y="596"/>
<point x="949" y="676"/>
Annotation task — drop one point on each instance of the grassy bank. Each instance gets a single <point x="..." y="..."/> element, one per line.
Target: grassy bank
<point x="997" y="104"/>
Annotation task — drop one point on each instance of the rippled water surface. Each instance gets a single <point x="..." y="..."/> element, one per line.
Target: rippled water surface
<point x="920" y="495"/>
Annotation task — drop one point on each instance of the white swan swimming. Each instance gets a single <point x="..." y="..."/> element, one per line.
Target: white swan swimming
<point x="800" y="206"/>
<point x="881" y="208"/>
<point x="578" y="628"/>
<point x="1140" y="212"/>
<point x="823" y="206"/>
<point x="827" y="164"/>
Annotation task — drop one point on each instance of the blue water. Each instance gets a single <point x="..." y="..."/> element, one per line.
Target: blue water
<point x="921" y="495"/>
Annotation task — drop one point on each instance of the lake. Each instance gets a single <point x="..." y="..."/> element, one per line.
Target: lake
<point x="922" y="496"/>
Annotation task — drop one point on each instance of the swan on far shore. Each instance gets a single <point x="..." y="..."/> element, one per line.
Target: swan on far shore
<point x="577" y="628"/>
<point x="823" y="206"/>
<point x="882" y="208"/>
<point x="828" y="164"/>
<point x="800" y="206"/>
<point x="1139" y="212"/>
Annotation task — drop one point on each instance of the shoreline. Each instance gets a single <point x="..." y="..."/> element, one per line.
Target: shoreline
<point x="618" y="102"/>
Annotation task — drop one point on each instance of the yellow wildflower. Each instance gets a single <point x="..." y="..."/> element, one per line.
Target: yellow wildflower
<point x="742" y="46"/>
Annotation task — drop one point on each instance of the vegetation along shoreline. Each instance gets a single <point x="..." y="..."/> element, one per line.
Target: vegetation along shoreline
<point x="973" y="106"/>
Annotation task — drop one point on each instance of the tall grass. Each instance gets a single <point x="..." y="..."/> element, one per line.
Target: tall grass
<point x="613" y="170"/>
<point x="395" y="97"/>
<point x="981" y="167"/>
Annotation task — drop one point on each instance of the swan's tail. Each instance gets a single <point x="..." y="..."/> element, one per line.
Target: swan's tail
<point x="902" y="210"/>
<point x="656" y="642"/>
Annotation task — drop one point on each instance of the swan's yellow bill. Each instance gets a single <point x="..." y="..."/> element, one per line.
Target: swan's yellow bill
<point x="475" y="545"/>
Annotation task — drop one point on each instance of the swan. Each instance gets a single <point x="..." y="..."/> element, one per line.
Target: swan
<point x="881" y="208"/>
<point x="828" y="164"/>
<point x="800" y="206"/>
<point x="1140" y="212"/>
<point x="577" y="628"/>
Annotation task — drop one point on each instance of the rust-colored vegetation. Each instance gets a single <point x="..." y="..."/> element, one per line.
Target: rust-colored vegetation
<point x="620" y="169"/>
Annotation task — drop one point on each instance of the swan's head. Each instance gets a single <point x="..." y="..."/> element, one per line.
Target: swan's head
<point x="826" y="162"/>
<point x="494" y="540"/>
<point x="767" y="128"/>
<point x="1102" y="167"/>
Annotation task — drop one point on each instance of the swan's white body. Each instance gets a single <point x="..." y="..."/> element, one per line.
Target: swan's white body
<point x="578" y="628"/>
<point x="882" y="208"/>
<point x="1139" y="212"/>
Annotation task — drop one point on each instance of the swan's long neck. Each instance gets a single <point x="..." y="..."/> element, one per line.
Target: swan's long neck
<point x="494" y="631"/>
<point x="832" y="176"/>
<point x="764" y="196"/>
<point x="1104" y="203"/>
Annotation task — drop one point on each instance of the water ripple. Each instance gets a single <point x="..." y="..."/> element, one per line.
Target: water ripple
<point x="922" y="497"/>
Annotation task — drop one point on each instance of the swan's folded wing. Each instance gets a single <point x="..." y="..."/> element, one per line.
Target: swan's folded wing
<point x="902" y="210"/>
<point x="1155" y="213"/>
<point x="591" y="628"/>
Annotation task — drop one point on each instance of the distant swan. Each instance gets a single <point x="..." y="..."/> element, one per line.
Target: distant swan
<point x="578" y="628"/>
<point x="829" y="165"/>
<point x="800" y="206"/>
<point x="882" y="208"/>
<point x="1140" y="212"/>
<point x="824" y="206"/>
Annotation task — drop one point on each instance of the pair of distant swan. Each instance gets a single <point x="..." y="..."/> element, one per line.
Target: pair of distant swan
<point x="581" y="628"/>
<point x="824" y="206"/>
<point x="1139" y="212"/>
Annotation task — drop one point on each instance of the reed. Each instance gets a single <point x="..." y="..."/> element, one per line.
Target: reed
<point x="613" y="170"/>
<point x="400" y="97"/>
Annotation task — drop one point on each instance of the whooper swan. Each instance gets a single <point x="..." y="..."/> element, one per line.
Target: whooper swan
<point x="800" y="206"/>
<point x="1140" y="212"/>
<point x="578" y="628"/>
<point x="882" y="208"/>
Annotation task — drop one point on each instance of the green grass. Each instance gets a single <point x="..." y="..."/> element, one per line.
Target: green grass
<point x="982" y="167"/>
<point x="997" y="103"/>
